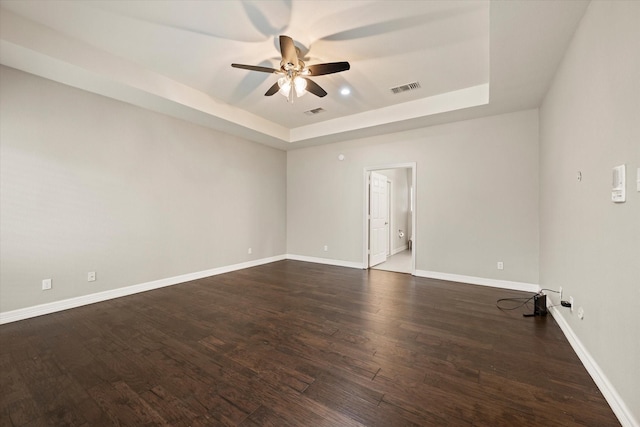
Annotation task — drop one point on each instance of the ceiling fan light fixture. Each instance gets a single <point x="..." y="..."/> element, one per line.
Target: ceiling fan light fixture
<point x="285" y="86"/>
<point x="300" y="85"/>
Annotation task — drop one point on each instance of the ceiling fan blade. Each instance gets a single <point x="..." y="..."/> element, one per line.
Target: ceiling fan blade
<point x="273" y="89"/>
<point x="328" y="68"/>
<point x="288" y="50"/>
<point x="314" y="88"/>
<point x="256" y="68"/>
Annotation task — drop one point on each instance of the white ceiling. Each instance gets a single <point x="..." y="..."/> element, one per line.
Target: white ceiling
<point x="472" y="58"/>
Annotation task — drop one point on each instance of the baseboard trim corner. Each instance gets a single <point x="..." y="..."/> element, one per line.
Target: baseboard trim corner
<point x="607" y="389"/>
<point x="400" y="249"/>
<point x="326" y="261"/>
<point x="503" y="284"/>
<point x="52" y="307"/>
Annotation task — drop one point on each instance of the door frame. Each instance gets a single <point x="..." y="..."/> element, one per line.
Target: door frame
<point x="390" y="215"/>
<point x="365" y="210"/>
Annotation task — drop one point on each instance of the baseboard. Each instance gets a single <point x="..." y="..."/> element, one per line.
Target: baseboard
<point x="400" y="249"/>
<point x="504" y="284"/>
<point x="327" y="261"/>
<point x="612" y="397"/>
<point x="39" y="310"/>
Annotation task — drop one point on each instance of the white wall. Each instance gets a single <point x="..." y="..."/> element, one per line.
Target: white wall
<point x="477" y="196"/>
<point x="590" y="122"/>
<point x="93" y="184"/>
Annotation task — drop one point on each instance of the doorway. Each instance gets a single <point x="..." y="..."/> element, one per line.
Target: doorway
<point x="389" y="218"/>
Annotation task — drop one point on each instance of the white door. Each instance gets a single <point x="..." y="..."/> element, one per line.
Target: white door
<point x="389" y="216"/>
<point x="378" y="219"/>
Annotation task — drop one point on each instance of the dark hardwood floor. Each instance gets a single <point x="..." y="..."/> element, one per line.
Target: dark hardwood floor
<point x="297" y="344"/>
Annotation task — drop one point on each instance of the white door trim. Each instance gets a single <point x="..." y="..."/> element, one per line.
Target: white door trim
<point x="378" y="218"/>
<point x="391" y="224"/>
<point x="365" y="209"/>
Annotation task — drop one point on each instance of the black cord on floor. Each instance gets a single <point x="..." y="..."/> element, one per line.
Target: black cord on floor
<point x="524" y="302"/>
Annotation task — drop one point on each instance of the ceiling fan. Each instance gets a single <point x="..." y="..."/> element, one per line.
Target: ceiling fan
<point x="295" y="73"/>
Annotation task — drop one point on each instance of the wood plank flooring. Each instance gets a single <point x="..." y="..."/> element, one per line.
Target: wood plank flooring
<point x="297" y="344"/>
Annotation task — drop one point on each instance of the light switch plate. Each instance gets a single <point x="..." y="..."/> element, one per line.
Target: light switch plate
<point x="618" y="189"/>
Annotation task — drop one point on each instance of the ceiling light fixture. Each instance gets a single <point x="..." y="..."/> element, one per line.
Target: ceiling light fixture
<point x="287" y="88"/>
<point x="345" y="91"/>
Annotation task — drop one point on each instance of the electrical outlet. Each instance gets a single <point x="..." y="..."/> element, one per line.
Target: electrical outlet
<point x="91" y="276"/>
<point x="571" y="302"/>
<point x="326" y="248"/>
<point x="249" y="251"/>
<point x="500" y="265"/>
<point x="581" y="313"/>
<point x="46" y="284"/>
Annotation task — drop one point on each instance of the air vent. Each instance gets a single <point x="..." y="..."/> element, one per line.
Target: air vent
<point x="315" y="111"/>
<point x="404" y="88"/>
